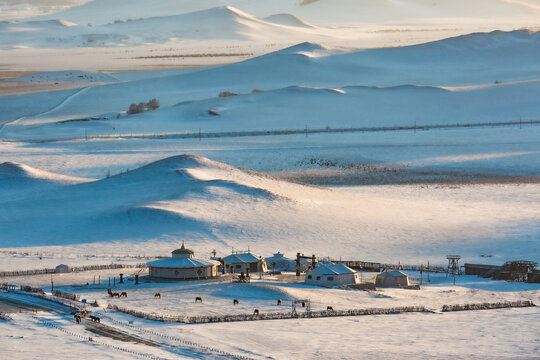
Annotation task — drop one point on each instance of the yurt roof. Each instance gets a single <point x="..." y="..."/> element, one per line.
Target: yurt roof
<point x="327" y="268"/>
<point x="240" y="258"/>
<point x="183" y="250"/>
<point x="182" y="263"/>
<point x="394" y="273"/>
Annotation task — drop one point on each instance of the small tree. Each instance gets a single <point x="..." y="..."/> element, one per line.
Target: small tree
<point x="153" y="104"/>
<point x="134" y="109"/>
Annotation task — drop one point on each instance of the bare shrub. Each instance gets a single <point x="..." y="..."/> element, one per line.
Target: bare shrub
<point x="226" y="94"/>
<point x="153" y="104"/>
<point x="135" y="109"/>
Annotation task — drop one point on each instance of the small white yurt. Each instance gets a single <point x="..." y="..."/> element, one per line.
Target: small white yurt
<point x="328" y="274"/>
<point x="182" y="266"/>
<point x="392" y="278"/>
<point x="279" y="262"/>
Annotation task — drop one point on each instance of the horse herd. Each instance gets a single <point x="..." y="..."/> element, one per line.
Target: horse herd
<point x="198" y="299"/>
<point x="115" y="294"/>
<point x="80" y="315"/>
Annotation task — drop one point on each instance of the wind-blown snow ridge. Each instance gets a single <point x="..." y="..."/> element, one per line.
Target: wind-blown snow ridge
<point x="288" y="20"/>
<point x="19" y="172"/>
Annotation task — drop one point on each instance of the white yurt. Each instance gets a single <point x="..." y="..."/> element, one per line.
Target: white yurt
<point x="392" y="278"/>
<point x="278" y="262"/>
<point x="328" y="274"/>
<point x="183" y="266"/>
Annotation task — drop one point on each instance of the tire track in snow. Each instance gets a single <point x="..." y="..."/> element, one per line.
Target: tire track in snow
<point x="54" y="108"/>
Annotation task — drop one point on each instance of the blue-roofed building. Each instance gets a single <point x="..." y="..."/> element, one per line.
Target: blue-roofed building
<point x="329" y="275"/>
<point x="244" y="262"/>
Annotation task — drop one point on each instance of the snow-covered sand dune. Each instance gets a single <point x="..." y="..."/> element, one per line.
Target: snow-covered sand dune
<point x="321" y="11"/>
<point x="219" y="23"/>
<point x="214" y="205"/>
<point x="473" y="78"/>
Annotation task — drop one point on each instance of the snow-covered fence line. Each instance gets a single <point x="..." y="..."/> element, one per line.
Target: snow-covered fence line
<point x="305" y="131"/>
<point x="92" y="340"/>
<point x="488" y="306"/>
<point x="374" y="266"/>
<point x="59" y="300"/>
<point x="66" y="295"/>
<point x="185" y="343"/>
<point x="203" y="319"/>
<point x="73" y="269"/>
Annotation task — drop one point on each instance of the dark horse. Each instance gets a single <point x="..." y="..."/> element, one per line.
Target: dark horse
<point x="157" y="296"/>
<point x="198" y="299"/>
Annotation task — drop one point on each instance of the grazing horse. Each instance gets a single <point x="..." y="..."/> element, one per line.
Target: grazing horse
<point x="124" y="294"/>
<point x="94" y="318"/>
<point x="157" y="296"/>
<point x="256" y="312"/>
<point x="279" y="301"/>
<point x="330" y="309"/>
<point x="235" y="301"/>
<point x="77" y="319"/>
<point x="115" y="295"/>
<point x="198" y="299"/>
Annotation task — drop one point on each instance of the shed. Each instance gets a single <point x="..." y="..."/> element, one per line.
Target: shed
<point x="182" y="266"/>
<point x="328" y="274"/>
<point x="392" y="278"/>
<point x="245" y="262"/>
<point x="62" y="269"/>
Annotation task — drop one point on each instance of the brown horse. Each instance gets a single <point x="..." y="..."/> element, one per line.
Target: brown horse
<point x="157" y="296"/>
<point x="198" y="299"/>
<point x="279" y="301"/>
<point x="235" y="301"/>
<point x="123" y="294"/>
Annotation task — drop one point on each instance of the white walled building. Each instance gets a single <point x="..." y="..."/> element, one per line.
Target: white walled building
<point x="329" y="275"/>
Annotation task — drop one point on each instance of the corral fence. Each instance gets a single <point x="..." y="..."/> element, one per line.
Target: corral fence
<point x="488" y="306"/>
<point x="375" y="266"/>
<point x="72" y="269"/>
<point x="202" y="319"/>
<point x="69" y="300"/>
<point x="183" y="342"/>
<point x="267" y="316"/>
<point x="92" y="340"/>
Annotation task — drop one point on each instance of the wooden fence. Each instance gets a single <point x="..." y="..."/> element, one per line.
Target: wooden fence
<point x="73" y="269"/>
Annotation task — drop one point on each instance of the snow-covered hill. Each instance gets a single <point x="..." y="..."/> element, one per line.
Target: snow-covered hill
<point x="318" y="12"/>
<point x="215" y="205"/>
<point x="475" y="78"/>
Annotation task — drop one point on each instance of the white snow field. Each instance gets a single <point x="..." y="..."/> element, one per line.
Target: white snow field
<point x="384" y="131"/>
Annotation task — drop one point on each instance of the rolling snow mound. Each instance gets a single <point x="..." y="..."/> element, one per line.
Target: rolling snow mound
<point x="288" y="20"/>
